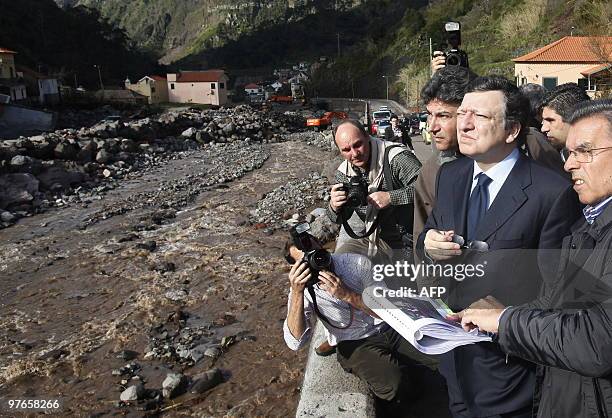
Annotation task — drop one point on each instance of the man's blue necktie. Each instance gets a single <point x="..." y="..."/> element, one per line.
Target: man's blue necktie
<point x="478" y="204"/>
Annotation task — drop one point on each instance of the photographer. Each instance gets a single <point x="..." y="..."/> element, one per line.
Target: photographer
<point x="366" y="346"/>
<point x="378" y="205"/>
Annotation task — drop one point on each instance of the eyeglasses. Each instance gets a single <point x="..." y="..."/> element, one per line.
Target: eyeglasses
<point x="478" y="246"/>
<point x="583" y="155"/>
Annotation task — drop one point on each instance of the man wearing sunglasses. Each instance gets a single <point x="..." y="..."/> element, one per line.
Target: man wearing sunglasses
<point x="496" y="208"/>
<point x="568" y="331"/>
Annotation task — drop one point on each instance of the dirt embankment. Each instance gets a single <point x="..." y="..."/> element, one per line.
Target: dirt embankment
<point x="168" y="273"/>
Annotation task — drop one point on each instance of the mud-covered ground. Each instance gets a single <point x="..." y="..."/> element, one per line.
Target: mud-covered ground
<point x="98" y="296"/>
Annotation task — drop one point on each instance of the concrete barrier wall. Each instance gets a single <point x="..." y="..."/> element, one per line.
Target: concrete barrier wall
<point x="328" y="391"/>
<point x="17" y="120"/>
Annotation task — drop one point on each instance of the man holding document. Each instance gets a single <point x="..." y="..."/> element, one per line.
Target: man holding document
<point x="568" y="331"/>
<point x="496" y="208"/>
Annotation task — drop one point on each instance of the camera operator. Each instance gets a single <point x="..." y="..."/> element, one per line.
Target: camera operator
<point x="366" y="346"/>
<point x="364" y="197"/>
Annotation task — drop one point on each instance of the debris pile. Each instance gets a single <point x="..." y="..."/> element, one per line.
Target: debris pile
<point x="40" y="171"/>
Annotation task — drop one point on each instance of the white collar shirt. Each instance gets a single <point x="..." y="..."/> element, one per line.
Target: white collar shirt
<point x="498" y="174"/>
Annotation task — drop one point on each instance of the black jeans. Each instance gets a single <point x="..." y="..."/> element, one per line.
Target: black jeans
<point x="386" y="362"/>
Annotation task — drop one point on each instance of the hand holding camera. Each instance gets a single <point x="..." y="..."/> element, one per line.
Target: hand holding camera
<point x="298" y="277"/>
<point x="351" y="194"/>
<point x="379" y="200"/>
<point x="334" y="286"/>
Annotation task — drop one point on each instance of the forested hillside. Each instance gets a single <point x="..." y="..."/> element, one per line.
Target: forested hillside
<point x="69" y="42"/>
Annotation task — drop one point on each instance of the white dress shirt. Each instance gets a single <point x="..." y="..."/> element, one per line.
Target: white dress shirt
<point x="498" y="174"/>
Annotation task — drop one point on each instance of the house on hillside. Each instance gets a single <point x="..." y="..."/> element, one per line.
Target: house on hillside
<point x="11" y="82"/>
<point x="204" y="87"/>
<point x="579" y="59"/>
<point x="154" y="87"/>
<point x="45" y="88"/>
<point x="253" y="88"/>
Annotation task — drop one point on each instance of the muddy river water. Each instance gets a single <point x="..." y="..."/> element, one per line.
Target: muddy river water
<point x="130" y="279"/>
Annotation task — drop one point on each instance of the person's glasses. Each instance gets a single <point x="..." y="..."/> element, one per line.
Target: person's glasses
<point x="479" y="246"/>
<point x="584" y="155"/>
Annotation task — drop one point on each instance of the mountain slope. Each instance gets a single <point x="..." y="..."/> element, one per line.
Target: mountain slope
<point x="68" y="42"/>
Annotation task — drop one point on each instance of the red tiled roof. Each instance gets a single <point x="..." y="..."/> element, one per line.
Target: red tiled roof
<point x="158" y="77"/>
<point x="572" y="49"/>
<point x="595" y="70"/>
<point x="6" y="51"/>
<point x="251" y="86"/>
<point x="199" y="76"/>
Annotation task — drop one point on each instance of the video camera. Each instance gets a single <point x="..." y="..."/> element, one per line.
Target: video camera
<point x="316" y="258"/>
<point x="455" y="56"/>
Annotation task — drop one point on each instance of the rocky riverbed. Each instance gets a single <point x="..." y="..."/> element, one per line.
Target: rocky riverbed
<point x="161" y="287"/>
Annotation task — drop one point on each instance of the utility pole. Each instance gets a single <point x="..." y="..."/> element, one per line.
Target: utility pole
<point x="429" y="59"/>
<point x="386" y="77"/>
<point x="100" y="78"/>
<point x="338" y="35"/>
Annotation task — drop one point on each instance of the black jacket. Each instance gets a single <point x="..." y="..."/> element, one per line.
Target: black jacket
<point x="569" y="333"/>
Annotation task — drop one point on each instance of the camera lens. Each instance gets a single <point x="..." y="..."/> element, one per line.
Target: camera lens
<point x="320" y="260"/>
<point x="453" y="59"/>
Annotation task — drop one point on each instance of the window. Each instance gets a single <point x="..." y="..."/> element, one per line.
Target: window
<point x="583" y="82"/>
<point x="549" y="83"/>
<point x="152" y="89"/>
<point x="212" y="86"/>
<point x="171" y="86"/>
<point x="221" y="85"/>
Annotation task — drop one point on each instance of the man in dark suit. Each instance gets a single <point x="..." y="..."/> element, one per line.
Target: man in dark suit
<point x="398" y="133"/>
<point x="497" y="209"/>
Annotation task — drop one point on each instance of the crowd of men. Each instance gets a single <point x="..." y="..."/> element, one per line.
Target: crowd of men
<point x="523" y="173"/>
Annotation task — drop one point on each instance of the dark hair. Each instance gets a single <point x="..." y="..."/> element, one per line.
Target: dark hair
<point x="448" y="84"/>
<point x="286" y="253"/>
<point x="516" y="104"/>
<point x="534" y="93"/>
<point x="595" y="108"/>
<point x="563" y="98"/>
<point x="352" y="122"/>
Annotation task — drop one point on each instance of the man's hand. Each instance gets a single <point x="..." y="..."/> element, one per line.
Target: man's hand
<point x="483" y="314"/>
<point x="338" y="197"/>
<point x="439" y="245"/>
<point x="298" y="276"/>
<point x="379" y="200"/>
<point x="438" y="61"/>
<point x="334" y="286"/>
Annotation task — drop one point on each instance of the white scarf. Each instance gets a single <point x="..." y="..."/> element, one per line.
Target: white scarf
<point x="375" y="181"/>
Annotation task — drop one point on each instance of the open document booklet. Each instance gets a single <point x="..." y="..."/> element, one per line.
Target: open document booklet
<point x="422" y="321"/>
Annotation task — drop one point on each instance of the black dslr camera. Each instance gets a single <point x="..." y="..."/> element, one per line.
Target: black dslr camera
<point x="356" y="192"/>
<point x="317" y="259"/>
<point x="455" y="56"/>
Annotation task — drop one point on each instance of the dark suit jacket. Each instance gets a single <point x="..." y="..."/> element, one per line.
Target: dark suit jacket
<point x="534" y="210"/>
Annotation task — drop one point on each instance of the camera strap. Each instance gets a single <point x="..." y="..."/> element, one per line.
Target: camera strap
<point x="323" y="318"/>
<point x="388" y="180"/>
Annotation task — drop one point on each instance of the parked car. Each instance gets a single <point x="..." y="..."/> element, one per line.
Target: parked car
<point x="377" y="117"/>
<point x="324" y="121"/>
<point x="382" y="126"/>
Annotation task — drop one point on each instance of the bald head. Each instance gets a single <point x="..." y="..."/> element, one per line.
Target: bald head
<point x="353" y="143"/>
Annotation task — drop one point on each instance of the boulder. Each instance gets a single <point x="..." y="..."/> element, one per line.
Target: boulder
<point x="52" y="176"/>
<point x="24" y="164"/>
<point x="66" y="151"/>
<point x="175" y="384"/>
<point x="17" y="189"/>
<point x="133" y="393"/>
<point x="103" y="157"/>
